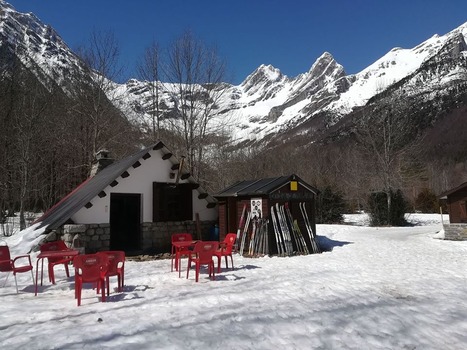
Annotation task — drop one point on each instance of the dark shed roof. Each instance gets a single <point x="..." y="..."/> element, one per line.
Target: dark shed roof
<point x="261" y="186"/>
<point x="445" y="195"/>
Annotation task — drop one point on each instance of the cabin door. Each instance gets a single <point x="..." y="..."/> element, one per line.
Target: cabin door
<point x="125" y="221"/>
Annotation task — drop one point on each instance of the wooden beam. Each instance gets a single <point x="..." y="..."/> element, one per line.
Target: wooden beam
<point x="180" y="168"/>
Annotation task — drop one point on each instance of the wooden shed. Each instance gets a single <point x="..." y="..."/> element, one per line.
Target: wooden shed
<point x="280" y="209"/>
<point x="456" y="200"/>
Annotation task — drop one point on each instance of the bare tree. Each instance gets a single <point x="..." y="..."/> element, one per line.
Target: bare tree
<point x="386" y="135"/>
<point x="22" y="110"/>
<point x="98" y="119"/>
<point x="8" y="87"/>
<point x="194" y="73"/>
<point x="28" y="130"/>
<point x="149" y="70"/>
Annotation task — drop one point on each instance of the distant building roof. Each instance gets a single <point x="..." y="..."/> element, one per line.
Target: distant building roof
<point x="445" y="195"/>
<point x="261" y="186"/>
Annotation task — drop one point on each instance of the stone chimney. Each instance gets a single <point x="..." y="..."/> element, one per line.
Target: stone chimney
<point x="103" y="159"/>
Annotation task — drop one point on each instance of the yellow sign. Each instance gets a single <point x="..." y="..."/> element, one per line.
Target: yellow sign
<point x="293" y="185"/>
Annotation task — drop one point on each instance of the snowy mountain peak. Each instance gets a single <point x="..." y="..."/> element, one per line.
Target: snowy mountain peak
<point x="325" y="64"/>
<point x="325" y="57"/>
<point x="461" y="29"/>
<point x="16" y="25"/>
<point x="396" y="65"/>
<point x="270" y="70"/>
<point x="264" y="74"/>
<point x="262" y="79"/>
<point x="4" y="6"/>
<point x="37" y="45"/>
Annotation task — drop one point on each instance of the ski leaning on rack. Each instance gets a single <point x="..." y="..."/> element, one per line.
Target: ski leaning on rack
<point x="245" y="232"/>
<point x="315" y="244"/>
<point x="277" y="233"/>
<point x="239" y="229"/>
<point x="294" y="236"/>
<point x="255" y="221"/>
<point x="297" y="234"/>
<point x="311" y="234"/>
<point x="258" y="242"/>
<point x="282" y="233"/>
<point x="297" y="228"/>
<point x="285" y="231"/>
<point x="265" y="238"/>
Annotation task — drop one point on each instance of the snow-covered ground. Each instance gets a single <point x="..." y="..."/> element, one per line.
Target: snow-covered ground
<point x="377" y="288"/>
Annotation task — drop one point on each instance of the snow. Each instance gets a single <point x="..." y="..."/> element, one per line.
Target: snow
<point x="376" y="288"/>
<point x="389" y="69"/>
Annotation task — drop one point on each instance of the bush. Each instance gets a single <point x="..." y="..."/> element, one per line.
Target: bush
<point x="378" y="209"/>
<point x="427" y="202"/>
<point x="331" y="207"/>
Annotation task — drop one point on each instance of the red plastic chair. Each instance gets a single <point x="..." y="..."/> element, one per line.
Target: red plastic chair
<point x="90" y="268"/>
<point x="116" y="268"/>
<point x="178" y="253"/>
<point x="226" y="248"/>
<point x="202" y="255"/>
<point x="7" y="264"/>
<point x="52" y="262"/>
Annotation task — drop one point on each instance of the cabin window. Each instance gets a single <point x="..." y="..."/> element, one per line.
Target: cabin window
<point x="172" y="203"/>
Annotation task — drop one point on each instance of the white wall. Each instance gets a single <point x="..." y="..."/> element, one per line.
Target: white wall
<point x="153" y="169"/>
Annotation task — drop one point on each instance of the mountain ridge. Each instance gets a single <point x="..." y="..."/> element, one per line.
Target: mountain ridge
<point x="266" y="103"/>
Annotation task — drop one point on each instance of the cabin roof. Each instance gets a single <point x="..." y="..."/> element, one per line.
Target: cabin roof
<point x="263" y="186"/>
<point x="445" y="195"/>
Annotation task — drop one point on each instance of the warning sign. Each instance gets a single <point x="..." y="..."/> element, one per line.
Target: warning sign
<point x="256" y="205"/>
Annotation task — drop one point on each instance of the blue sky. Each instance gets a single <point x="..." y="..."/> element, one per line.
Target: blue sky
<point x="289" y="34"/>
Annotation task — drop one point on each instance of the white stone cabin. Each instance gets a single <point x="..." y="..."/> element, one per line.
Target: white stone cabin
<point x="134" y="205"/>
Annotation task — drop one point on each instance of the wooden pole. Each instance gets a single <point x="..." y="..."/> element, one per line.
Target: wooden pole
<point x="198" y="227"/>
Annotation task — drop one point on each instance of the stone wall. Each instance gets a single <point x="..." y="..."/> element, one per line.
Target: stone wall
<point x="155" y="236"/>
<point x="455" y="232"/>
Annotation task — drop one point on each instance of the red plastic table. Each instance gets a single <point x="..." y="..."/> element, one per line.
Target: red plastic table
<point x="181" y="245"/>
<point x="51" y="254"/>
